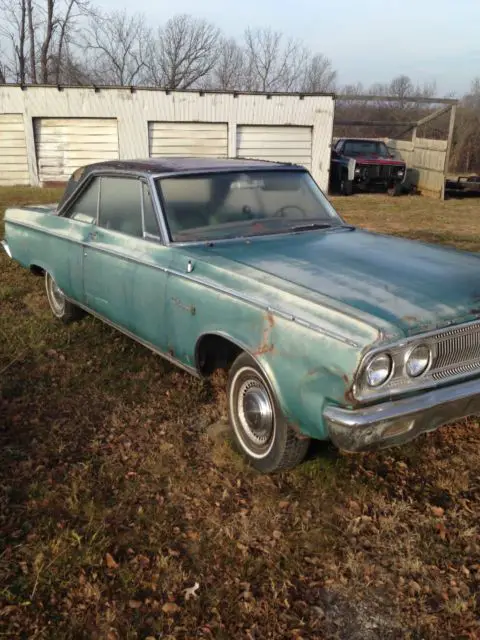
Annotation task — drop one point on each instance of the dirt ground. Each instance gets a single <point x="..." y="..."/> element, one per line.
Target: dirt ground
<point x="124" y="514"/>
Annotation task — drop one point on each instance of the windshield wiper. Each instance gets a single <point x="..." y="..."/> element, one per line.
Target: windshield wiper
<point x="312" y="225"/>
<point x="319" y="225"/>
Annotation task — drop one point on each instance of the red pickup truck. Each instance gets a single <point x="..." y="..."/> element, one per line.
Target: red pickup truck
<point x="365" y="165"/>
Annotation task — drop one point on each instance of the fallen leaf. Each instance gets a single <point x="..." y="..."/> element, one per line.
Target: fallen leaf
<point x="170" y="608"/>
<point x="414" y="588"/>
<point x="355" y="507"/>
<point x="438" y="511"/>
<point x="442" y="532"/>
<point x="190" y="592"/>
<point x="110" y="562"/>
<point x="277" y="534"/>
<point x="134" y="604"/>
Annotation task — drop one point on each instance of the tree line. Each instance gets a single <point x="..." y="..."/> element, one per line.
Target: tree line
<point x="73" y="42"/>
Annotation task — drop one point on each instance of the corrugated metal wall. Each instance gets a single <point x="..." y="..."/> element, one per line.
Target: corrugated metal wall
<point x="63" y="145"/>
<point x="284" y="144"/>
<point x="134" y="110"/>
<point x="13" y="150"/>
<point x="204" y="139"/>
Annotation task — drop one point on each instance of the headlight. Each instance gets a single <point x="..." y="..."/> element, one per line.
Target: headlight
<point x="418" y="360"/>
<point x="378" y="370"/>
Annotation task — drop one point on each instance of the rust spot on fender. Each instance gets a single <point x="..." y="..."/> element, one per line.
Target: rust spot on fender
<point x="266" y="345"/>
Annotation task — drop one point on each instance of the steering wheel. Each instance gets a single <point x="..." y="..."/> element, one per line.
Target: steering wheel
<point x="280" y="213"/>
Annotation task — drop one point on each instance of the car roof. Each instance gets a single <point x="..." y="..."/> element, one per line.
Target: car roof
<point x="360" y="140"/>
<point x="186" y="165"/>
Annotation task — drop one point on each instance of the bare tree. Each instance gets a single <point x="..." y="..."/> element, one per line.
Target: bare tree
<point x="38" y="33"/>
<point x="319" y="75"/>
<point x="14" y="15"/>
<point x="31" y="35"/>
<point x="119" y="44"/>
<point x="229" y="71"/>
<point x="50" y="25"/>
<point x="67" y="34"/>
<point x="273" y="63"/>
<point x="185" y="52"/>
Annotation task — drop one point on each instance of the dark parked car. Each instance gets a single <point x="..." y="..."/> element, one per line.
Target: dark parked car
<point x="365" y="165"/>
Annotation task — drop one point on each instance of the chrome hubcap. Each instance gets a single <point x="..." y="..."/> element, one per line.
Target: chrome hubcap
<point x="255" y="412"/>
<point x="57" y="298"/>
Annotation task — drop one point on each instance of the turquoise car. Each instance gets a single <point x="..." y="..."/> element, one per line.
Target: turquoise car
<point x="327" y="331"/>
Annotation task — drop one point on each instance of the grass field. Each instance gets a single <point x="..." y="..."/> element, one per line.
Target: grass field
<point x="116" y="496"/>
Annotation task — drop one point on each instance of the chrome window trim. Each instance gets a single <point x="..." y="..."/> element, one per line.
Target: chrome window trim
<point x="159" y="212"/>
<point x="146" y="234"/>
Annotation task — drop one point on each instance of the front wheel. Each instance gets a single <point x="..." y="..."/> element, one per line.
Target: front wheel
<point x="60" y="306"/>
<point x="259" y="428"/>
<point x="346" y="185"/>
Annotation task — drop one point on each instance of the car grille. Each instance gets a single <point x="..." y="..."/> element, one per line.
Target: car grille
<point x="376" y="171"/>
<point x="457" y="352"/>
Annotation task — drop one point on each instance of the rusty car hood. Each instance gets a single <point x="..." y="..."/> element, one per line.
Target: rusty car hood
<point x="408" y="284"/>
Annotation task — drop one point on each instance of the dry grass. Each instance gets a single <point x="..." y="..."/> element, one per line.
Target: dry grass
<point x="114" y="499"/>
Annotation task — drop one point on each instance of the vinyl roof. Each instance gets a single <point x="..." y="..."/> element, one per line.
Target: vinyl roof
<point x="186" y="164"/>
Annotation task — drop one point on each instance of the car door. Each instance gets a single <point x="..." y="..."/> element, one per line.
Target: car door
<point x="123" y="265"/>
<point x="79" y="219"/>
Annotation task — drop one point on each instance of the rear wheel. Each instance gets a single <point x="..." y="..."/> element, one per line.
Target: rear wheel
<point x="60" y="306"/>
<point x="259" y="428"/>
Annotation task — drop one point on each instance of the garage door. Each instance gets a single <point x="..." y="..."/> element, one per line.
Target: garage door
<point x="280" y="144"/>
<point x="13" y="150"/>
<point x="194" y="139"/>
<point x="63" y="145"/>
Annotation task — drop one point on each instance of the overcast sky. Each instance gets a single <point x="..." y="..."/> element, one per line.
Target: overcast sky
<point x="367" y="40"/>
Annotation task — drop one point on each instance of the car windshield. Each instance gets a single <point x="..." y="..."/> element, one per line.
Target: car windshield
<point x="366" y="148"/>
<point x="216" y="206"/>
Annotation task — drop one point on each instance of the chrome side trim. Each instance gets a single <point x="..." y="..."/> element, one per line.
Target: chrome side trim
<point x="263" y="305"/>
<point x="6" y="248"/>
<point x="49" y="231"/>
<point x="132" y="336"/>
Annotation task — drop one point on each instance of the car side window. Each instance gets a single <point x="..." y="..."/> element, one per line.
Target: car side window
<point x="149" y="218"/>
<point x="84" y="209"/>
<point x="121" y="206"/>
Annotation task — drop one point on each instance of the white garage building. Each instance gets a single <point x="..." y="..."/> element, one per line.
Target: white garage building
<point x="47" y="132"/>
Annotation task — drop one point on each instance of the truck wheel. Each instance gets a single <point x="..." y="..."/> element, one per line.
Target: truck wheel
<point x="346" y="186"/>
<point x="60" y="306"/>
<point x="260" y="432"/>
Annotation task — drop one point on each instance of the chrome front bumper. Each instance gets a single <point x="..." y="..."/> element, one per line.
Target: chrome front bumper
<point x="399" y="421"/>
<point x="6" y="248"/>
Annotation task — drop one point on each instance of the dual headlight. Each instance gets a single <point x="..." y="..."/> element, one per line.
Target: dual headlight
<point x="380" y="368"/>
